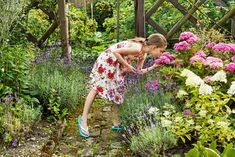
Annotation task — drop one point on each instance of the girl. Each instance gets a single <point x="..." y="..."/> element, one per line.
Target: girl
<point x="110" y="68"/>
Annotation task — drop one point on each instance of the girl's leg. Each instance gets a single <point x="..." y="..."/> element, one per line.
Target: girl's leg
<point x="116" y="121"/>
<point x="89" y="100"/>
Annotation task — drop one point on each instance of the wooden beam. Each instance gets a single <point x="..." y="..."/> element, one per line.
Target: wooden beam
<point x="184" y="19"/>
<point x="154" y="8"/>
<point x="139" y="18"/>
<point x="156" y="26"/>
<point x="118" y="20"/>
<point x="183" y="11"/>
<point x="50" y="13"/>
<point x="225" y="18"/>
<point x="220" y="3"/>
<point x="47" y="33"/>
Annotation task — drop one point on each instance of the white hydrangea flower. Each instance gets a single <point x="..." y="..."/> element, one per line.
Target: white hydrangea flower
<point x="190" y="122"/>
<point x="178" y="119"/>
<point x="198" y="127"/>
<point x="231" y="90"/>
<point x="152" y="110"/>
<point x="223" y="124"/>
<point x="205" y="89"/>
<point x="181" y="93"/>
<point x="186" y="73"/>
<point x="210" y="121"/>
<point x="165" y="122"/>
<point x="193" y="81"/>
<point x="202" y="113"/>
<point x="220" y="76"/>
<point x="166" y="113"/>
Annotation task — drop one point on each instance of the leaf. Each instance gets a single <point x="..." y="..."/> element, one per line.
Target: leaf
<point x="193" y="153"/>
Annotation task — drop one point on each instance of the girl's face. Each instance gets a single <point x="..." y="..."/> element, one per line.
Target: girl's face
<point x="156" y="51"/>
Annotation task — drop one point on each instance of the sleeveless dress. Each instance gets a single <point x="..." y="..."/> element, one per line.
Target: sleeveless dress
<point x="107" y="75"/>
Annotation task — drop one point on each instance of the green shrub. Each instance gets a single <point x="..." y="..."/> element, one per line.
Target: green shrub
<point x="153" y="141"/>
<point x="65" y="79"/>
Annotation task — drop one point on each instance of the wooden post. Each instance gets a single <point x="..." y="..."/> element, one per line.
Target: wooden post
<point x="92" y="10"/>
<point x="118" y="19"/>
<point x="139" y="18"/>
<point x="233" y="25"/>
<point x="66" y="48"/>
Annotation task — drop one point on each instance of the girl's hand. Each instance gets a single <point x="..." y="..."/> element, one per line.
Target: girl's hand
<point x="155" y="65"/>
<point x="130" y="68"/>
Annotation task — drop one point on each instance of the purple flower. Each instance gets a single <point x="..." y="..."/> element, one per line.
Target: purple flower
<point x="181" y="46"/>
<point x="187" y="112"/>
<point x="14" y="142"/>
<point x="151" y="86"/>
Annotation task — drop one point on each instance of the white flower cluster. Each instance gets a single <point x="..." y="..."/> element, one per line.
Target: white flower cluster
<point x="194" y="81"/>
<point x="220" y="76"/>
<point x="181" y="93"/>
<point x="231" y="90"/>
<point x="205" y="89"/>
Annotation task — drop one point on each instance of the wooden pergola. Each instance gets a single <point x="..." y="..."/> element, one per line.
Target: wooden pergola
<point x="141" y="17"/>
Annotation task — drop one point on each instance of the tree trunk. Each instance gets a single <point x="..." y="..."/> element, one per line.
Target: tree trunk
<point x="66" y="48"/>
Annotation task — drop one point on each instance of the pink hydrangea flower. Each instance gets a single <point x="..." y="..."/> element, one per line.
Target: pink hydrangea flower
<point x="192" y="40"/>
<point x="186" y="35"/>
<point x="230" y="67"/>
<point x="199" y="56"/>
<point x="210" y="45"/>
<point x="207" y="79"/>
<point x="181" y="46"/>
<point x="189" y="37"/>
<point x="233" y="58"/>
<point x="165" y="58"/>
<point x="213" y="62"/>
<point x="224" y="47"/>
<point x="200" y="53"/>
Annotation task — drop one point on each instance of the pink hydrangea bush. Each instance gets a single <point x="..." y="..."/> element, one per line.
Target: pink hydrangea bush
<point x="181" y="46"/>
<point x="165" y="58"/>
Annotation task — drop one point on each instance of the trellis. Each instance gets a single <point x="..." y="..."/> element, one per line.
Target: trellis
<point x="141" y="17"/>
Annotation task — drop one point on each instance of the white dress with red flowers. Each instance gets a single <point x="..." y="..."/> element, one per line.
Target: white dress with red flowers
<point x="107" y="75"/>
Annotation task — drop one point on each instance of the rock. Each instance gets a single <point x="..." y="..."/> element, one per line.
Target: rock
<point x="88" y="152"/>
<point x="89" y="141"/>
<point x="95" y="133"/>
<point x="116" y="145"/>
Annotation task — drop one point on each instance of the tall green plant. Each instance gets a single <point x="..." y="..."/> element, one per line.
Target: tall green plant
<point x="9" y="16"/>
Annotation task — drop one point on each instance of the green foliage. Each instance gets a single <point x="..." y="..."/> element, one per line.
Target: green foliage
<point x="200" y="151"/>
<point x="54" y="106"/>
<point x="65" y="79"/>
<point x="14" y="70"/>
<point x="153" y="141"/>
<point x="103" y="10"/>
<point x="16" y="117"/>
<point x="9" y="16"/>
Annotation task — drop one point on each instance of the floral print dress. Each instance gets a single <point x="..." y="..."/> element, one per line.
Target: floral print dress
<point x="107" y="75"/>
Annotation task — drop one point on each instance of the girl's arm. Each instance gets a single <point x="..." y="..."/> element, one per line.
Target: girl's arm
<point x="125" y="51"/>
<point x="140" y="62"/>
<point x="143" y="71"/>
